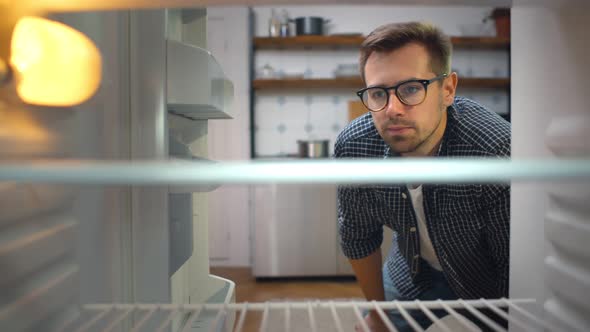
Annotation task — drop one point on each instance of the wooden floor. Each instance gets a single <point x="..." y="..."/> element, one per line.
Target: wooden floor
<point x="248" y="289"/>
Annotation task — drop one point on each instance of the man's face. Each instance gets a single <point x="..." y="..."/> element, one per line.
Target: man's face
<point x="408" y="130"/>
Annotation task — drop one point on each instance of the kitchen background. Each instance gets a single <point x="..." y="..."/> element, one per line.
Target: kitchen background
<point x="244" y="235"/>
<point x="127" y="240"/>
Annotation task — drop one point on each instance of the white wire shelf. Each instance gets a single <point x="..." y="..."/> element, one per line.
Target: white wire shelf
<point x="109" y="316"/>
<point x="376" y="171"/>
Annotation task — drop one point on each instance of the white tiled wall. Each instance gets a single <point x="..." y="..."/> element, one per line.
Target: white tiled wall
<point x="284" y="116"/>
<point x="480" y="63"/>
<point x="313" y="63"/>
<point x="287" y="116"/>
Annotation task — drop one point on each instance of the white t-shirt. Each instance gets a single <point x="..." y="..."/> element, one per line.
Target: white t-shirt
<point x="426" y="248"/>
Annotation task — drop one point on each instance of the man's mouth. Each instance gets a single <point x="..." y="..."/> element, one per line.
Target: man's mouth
<point x="396" y="130"/>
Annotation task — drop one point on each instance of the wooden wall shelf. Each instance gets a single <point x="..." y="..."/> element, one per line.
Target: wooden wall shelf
<point x="307" y="41"/>
<point x="492" y="43"/>
<point x="346" y="41"/>
<point x="314" y="83"/>
<point x="356" y="83"/>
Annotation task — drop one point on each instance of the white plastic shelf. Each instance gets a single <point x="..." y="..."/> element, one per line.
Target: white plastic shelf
<point x="110" y="315"/>
<point x="376" y="171"/>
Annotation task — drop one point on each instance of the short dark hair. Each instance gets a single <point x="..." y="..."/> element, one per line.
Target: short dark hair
<point x="392" y="36"/>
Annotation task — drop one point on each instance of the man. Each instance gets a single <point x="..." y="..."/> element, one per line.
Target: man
<point x="450" y="241"/>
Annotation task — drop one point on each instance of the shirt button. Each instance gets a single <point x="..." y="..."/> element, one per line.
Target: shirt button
<point x="404" y="196"/>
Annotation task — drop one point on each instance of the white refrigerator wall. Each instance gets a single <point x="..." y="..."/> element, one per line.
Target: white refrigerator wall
<point x="104" y="213"/>
<point x="123" y="237"/>
<point x="549" y="85"/>
<point x="95" y="266"/>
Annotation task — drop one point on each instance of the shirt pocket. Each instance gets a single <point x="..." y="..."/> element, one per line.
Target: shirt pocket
<point x="387" y="206"/>
<point x="385" y="195"/>
<point x="460" y="219"/>
<point x="462" y="201"/>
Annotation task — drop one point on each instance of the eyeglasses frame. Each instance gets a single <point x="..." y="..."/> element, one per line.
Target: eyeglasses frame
<point x="425" y="83"/>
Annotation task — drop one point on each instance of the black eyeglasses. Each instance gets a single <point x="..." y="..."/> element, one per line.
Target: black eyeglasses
<point x="411" y="93"/>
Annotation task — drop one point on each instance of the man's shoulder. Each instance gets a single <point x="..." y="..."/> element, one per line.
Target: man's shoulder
<point x="359" y="138"/>
<point x="481" y="128"/>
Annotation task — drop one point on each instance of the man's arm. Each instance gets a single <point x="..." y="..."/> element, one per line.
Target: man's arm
<point x="368" y="275"/>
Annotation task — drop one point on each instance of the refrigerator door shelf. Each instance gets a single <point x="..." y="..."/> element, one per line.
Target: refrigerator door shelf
<point x="196" y="85"/>
<point x="180" y="152"/>
<point x="213" y="320"/>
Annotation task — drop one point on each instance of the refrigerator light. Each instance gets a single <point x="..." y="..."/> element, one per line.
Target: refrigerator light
<point x="53" y="64"/>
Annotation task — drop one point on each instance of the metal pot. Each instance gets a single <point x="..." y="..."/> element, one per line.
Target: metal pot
<point x="309" y="25"/>
<point x="313" y="148"/>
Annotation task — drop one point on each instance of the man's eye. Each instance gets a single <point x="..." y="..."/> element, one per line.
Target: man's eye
<point x="410" y="89"/>
<point x="378" y="93"/>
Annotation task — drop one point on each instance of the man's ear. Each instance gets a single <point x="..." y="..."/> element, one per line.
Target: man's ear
<point x="449" y="87"/>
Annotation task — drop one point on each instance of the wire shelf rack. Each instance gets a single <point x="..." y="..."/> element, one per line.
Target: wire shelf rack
<point x="159" y="317"/>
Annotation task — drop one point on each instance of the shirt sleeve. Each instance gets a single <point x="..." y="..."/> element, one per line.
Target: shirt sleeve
<point x="497" y="233"/>
<point x="497" y="227"/>
<point x="361" y="232"/>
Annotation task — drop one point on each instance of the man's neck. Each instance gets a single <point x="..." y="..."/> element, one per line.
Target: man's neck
<point x="436" y="148"/>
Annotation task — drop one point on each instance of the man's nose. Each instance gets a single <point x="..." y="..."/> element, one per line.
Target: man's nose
<point x="394" y="106"/>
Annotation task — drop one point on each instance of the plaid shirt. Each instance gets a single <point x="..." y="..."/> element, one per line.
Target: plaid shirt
<point x="467" y="223"/>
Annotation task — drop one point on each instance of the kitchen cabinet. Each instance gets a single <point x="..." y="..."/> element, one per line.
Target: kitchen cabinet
<point x="295" y="232"/>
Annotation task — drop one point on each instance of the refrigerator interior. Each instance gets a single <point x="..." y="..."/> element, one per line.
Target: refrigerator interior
<point x="85" y="243"/>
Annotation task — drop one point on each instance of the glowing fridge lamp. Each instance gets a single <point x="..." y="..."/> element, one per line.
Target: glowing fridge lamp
<point x="53" y="64"/>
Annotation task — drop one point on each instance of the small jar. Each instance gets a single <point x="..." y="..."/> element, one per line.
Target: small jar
<point x="285" y="30"/>
<point x="274" y="25"/>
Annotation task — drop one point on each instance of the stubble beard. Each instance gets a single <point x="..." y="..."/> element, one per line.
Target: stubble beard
<point x="403" y="144"/>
